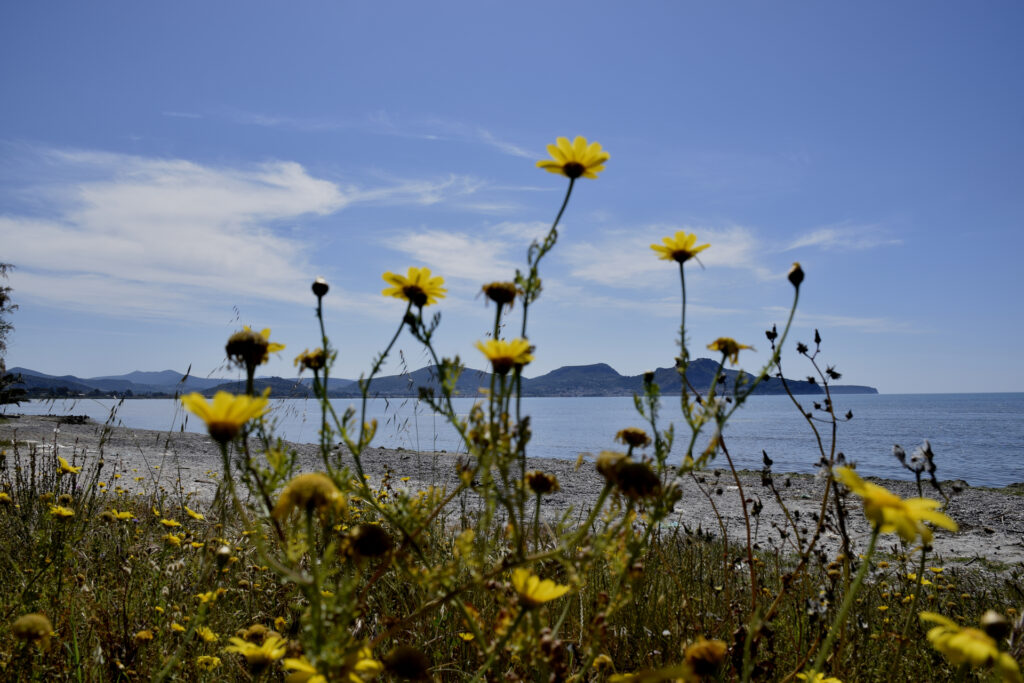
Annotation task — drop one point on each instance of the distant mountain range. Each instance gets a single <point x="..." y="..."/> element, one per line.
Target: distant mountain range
<point x="575" y="380"/>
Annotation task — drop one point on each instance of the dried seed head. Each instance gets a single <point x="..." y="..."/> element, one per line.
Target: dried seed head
<point x="541" y="483"/>
<point x="501" y="293"/>
<point x="633" y="436"/>
<point x="247" y="348"/>
<point x="407" y="662"/>
<point x="34" y="628"/>
<point x="369" y="540"/>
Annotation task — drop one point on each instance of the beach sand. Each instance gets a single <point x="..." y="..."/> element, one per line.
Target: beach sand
<point x="991" y="520"/>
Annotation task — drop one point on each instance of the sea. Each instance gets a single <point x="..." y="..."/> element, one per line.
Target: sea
<point x="978" y="438"/>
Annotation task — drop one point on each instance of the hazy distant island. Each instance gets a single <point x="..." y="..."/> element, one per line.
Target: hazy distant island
<point x="598" y="379"/>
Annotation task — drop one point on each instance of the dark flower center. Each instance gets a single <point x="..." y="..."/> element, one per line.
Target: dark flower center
<point x="573" y="169"/>
<point x="416" y="295"/>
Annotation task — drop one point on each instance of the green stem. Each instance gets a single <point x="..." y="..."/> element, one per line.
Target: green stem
<point x="844" y="611"/>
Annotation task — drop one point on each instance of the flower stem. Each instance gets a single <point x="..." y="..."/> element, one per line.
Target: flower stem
<point x="844" y="611"/>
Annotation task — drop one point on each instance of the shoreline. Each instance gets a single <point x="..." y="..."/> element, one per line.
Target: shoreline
<point x="991" y="519"/>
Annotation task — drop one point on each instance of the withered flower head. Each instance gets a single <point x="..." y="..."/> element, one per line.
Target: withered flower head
<point x="249" y="348"/>
<point x="34" y="628"/>
<point x="501" y="293"/>
<point x="320" y="287"/>
<point x="407" y="662"/>
<point x="636" y="480"/>
<point x="541" y="483"/>
<point x="608" y="463"/>
<point x="705" y="656"/>
<point x="633" y="436"/>
<point x="314" y="360"/>
<point x="369" y="540"/>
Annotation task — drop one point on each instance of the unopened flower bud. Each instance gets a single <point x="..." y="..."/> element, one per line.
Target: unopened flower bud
<point x="995" y="624"/>
<point x="320" y="287"/>
<point x="796" y="275"/>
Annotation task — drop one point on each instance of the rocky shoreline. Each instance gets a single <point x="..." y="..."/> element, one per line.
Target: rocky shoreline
<point x="991" y="520"/>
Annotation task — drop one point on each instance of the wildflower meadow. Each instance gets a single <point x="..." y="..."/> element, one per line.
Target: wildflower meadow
<point x="314" y="575"/>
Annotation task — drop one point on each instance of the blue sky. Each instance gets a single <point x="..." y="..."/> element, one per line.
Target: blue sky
<point x="171" y="171"/>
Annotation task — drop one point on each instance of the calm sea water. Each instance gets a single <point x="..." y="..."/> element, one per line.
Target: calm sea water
<point x="976" y="437"/>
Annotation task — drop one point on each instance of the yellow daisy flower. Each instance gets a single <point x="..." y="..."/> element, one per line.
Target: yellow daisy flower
<point x="729" y="347"/>
<point x="418" y="286"/>
<point x="207" y="634"/>
<point x="193" y="514"/>
<point x="310" y="491"/>
<point x="575" y="159"/>
<point x="227" y="414"/>
<point x="258" y="657"/>
<point x="679" y="248"/>
<point x="969" y="646"/>
<point x="505" y="354"/>
<point x="61" y="511"/>
<point x="66" y="468"/>
<point x="818" y="678"/>
<point x="207" y="662"/>
<point x="533" y="591"/>
<point x="890" y="513"/>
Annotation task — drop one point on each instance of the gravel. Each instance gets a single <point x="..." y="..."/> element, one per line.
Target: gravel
<point x="991" y="520"/>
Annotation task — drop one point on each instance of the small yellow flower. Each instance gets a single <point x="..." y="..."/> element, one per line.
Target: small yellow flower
<point x="66" y="468"/>
<point x="207" y="634"/>
<point x="465" y="636"/>
<point x="144" y="636"/>
<point x="311" y="360"/>
<point x="302" y="670"/>
<point x="575" y="159"/>
<point x="417" y="287"/>
<point x="192" y="513"/>
<point x="890" y="513"/>
<point x="227" y="414"/>
<point x="506" y="354"/>
<point x="681" y="247"/>
<point x="729" y="347"/>
<point x="5" y="497"/>
<point x="173" y="539"/>
<point x="61" y="511"/>
<point x="533" y="591"/>
<point x="818" y="678"/>
<point x="210" y="596"/>
<point x="177" y="628"/>
<point x="170" y="523"/>
<point x="310" y="491"/>
<point x="207" y="662"/>
<point x="258" y="657"/>
<point x="969" y="646"/>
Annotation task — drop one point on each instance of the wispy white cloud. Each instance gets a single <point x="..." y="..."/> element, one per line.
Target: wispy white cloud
<point x="623" y="258"/>
<point x="477" y="258"/>
<point x="128" y="235"/>
<point x="182" y="115"/>
<point x="379" y="122"/>
<point x="845" y="237"/>
<point x="874" y="325"/>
